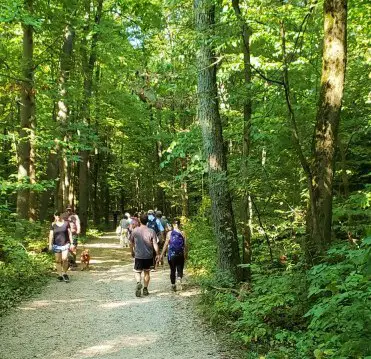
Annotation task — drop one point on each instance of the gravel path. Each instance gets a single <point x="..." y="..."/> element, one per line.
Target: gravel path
<point x="97" y="315"/>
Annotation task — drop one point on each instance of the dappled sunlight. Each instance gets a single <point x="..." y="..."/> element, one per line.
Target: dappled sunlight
<point x="100" y="261"/>
<point x="117" y="344"/>
<point x="103" y="245"/>
<point x="189" y="293"/>
<point x="119" y="304"/>
<point x="48" y="303"/>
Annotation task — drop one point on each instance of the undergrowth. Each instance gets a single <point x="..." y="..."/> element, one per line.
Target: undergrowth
<point x="24" y="262"/>
<point x="290" y="311"/>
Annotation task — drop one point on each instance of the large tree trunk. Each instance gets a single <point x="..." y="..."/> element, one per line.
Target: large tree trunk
<point x="327" y="124"/>
<point x="246" y="203"/>
<point x="27" y="117"/>
<point x="88" y="69"/>
<point x="208" y="114"/>
<point x="63" y="114"/>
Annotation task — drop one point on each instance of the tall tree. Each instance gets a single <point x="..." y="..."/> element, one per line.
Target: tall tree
<point x="209" y="117"/>
<point x="89" y="59"/>
<point x="62" y="116"/>
<point x="246" y="205"/>
<point x="327" y="124"/>
<point x="26" y="154"/>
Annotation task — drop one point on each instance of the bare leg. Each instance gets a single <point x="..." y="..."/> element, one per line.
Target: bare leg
<point x="138" y="276"/>
<point x="138" y="288"/>
<point x="64" y="256"/>
<point x="58" y="262"/>
<point x="146" y="278"/>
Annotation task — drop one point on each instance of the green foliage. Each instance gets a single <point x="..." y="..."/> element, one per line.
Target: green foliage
<point x="201" y="242"/>
<point x="22" y="272"/>
<point x="295" y="312"/>
<point x="340" y="318"/>
<point x="24" y="263"/>
<point x="351" y="216"/>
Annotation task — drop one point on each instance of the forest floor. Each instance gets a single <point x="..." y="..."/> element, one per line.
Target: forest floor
<point x="97" y="315"/>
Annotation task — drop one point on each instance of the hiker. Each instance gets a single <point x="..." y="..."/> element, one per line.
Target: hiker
<point x="165" y="223"/>
<point x="75" y="226"/>
<point x="134" y="222"/>
<point x="143" y="245"/>
<point x="124" y="228"/>
<point x="155" y="224"/>
<point x="177" y="253"/>
<point x="60" y="238"/>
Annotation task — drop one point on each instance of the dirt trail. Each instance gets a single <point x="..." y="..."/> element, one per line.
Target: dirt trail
<point x="97" y="315"/>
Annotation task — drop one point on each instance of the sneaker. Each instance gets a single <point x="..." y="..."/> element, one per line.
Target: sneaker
<point x="66" y="278"/>
<point x="145" y="291"/>
<point x="179" y="284"/>
<point x="173" y="287"/>
<point x="138" y="289"/>
<point x="60" y="278"/>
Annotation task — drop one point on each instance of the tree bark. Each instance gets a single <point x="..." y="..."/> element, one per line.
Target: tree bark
<point x="327" y="124"/>
<point x="63" y="115"/>
<point x="88" y="69"/>
<point x="209" y="117"/>
<point x="27" y="121"/>
<point x="246" y="203"/>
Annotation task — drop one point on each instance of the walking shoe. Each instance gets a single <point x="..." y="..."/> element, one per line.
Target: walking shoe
<point x="145" y="291"/>
<point x="60" y="278"/>
<point x="173" y="287"/>
<point x="138" y="289"/>
<point x="66" y="278"/>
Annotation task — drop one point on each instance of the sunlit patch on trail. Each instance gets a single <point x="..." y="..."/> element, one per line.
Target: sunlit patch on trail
<point x="114" y="305"/>
<point x="48" y="303"/>
<point x="116" y="345"/>
<point x="103" y="245"/>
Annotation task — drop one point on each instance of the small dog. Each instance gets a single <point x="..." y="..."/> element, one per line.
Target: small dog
<point x="85" y="259"/>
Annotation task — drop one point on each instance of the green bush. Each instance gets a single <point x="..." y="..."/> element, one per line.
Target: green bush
<point x="24" y="265"/>
<point x="202" y="245"/>
<point x="340" y="318"/>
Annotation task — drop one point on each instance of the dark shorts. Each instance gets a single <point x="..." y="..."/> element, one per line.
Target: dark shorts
<point x="143" y="264"/>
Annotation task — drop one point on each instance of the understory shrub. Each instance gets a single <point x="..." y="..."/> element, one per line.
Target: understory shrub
<point x="24" y="263"/>
<point x="340" y="317"/>
<point x="293" y="312"/>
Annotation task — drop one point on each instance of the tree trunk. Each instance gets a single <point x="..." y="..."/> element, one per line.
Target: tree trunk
<point x="246" y="203"/>
<point x="208" y="114"/>
<point x="96" y="200"/>
<point x="51" y="173"/>
<point x="27" y="121"/>
<point x="327" y="124"/>
<point x="88" y="69"/>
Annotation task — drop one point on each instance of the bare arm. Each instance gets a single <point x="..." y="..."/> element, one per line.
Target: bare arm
<point x="132" y="245"/>
<point x="166" y="244"/>
<point x="70" y="235"/>
<point x="155" y="245"/>
<point x="50" y="239"/>
<point x="78" y="225"/>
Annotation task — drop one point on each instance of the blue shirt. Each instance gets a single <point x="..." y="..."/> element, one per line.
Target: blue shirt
<point x="151" y="217"/>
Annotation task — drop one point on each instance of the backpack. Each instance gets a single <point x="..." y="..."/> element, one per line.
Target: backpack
<point x="153" y="225"/>
<point x="176" y="244"/>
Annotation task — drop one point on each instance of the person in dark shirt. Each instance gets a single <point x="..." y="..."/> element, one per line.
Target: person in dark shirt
<point x="143" y="244"/>
<point x="60" y="238"/>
